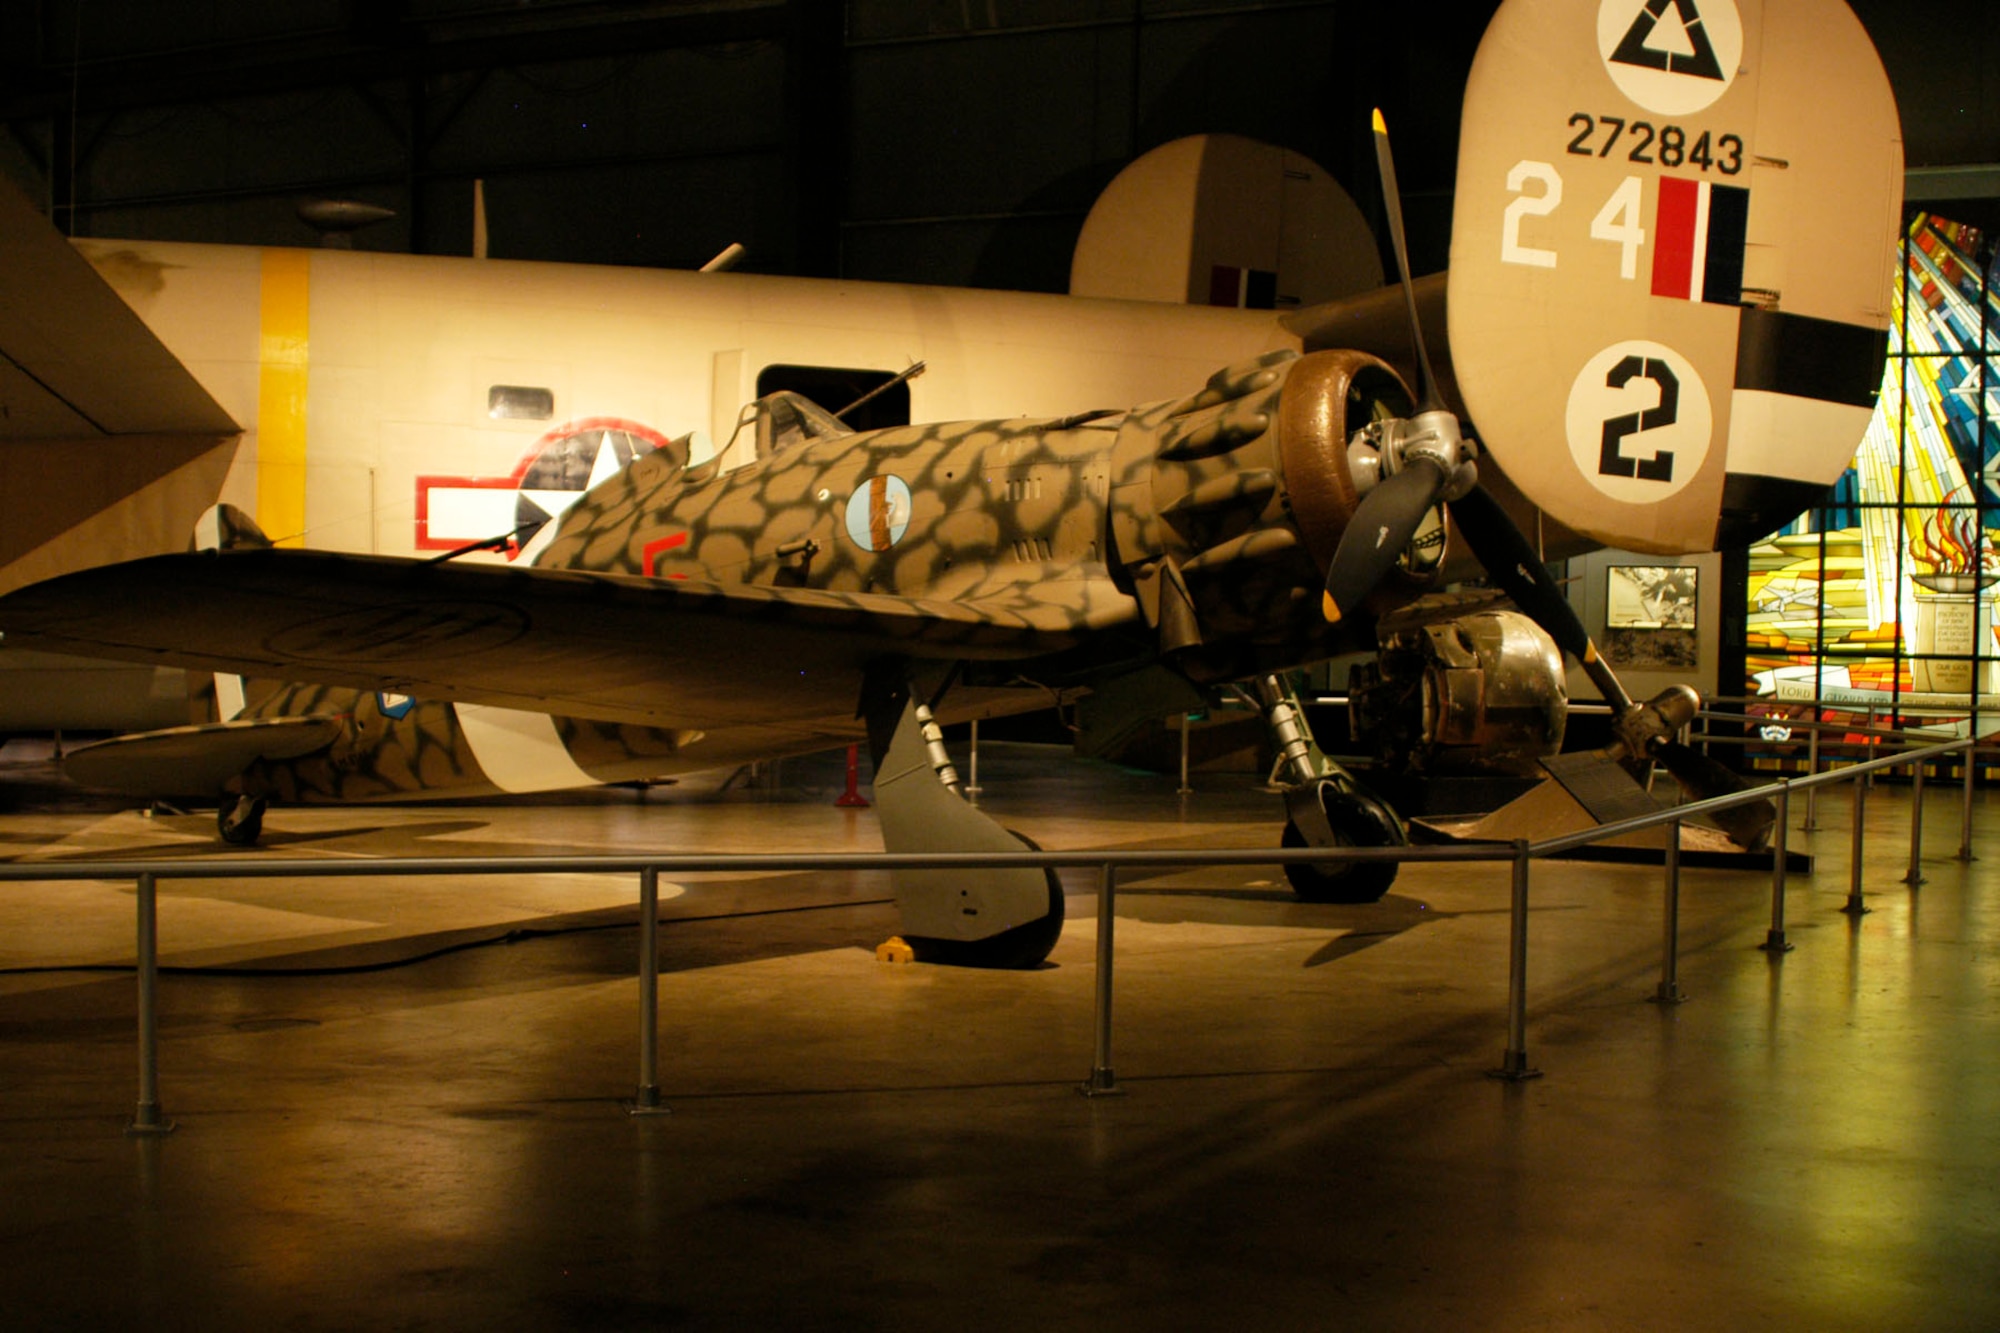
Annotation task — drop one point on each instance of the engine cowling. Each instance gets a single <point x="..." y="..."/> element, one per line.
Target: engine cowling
<point x="1227" y="506"/>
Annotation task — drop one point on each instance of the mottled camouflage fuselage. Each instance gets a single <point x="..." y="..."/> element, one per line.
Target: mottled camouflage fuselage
<point x="1192" y="532"/>
<point x="420" y="750"/>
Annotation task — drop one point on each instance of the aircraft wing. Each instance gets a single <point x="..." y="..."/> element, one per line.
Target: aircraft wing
<point x="654" y="652"/>
<point x="75" y="361"/>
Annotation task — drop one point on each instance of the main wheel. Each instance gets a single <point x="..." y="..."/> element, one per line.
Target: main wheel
<point x="1024" y="946"/>
<point x="241" y="821"/>
<point x="1358" y="821"/>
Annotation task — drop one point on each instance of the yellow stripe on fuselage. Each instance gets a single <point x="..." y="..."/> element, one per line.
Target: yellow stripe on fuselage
<point x="281" y="395"/>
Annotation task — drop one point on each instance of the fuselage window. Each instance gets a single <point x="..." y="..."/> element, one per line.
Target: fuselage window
<point x="837" y="389"/>
<point x="516" y="402"/>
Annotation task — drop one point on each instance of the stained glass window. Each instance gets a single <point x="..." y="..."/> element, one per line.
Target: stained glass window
<point x="1880" y="602"/>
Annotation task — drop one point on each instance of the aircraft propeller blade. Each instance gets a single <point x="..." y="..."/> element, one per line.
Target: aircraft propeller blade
<point x="1748" y="824"/>
<point x="1515" y="566"/>
<point x="1388" y="515"/>
<point x="1392" y="199"/>
<point x="1382" y="526"/>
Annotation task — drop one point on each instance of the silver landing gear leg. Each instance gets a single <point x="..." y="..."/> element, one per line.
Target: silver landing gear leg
<point x="1325" y="807"/>
<point x="974" y="918"/>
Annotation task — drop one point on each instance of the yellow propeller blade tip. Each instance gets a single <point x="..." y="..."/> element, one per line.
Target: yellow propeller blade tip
<point x="1589" y="651"/>
<point x="1329" y="609"/>
<point x="1380" y="128"/>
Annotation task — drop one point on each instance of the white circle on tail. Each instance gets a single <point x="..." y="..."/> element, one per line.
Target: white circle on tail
<point x="1639" y="421"/>
<point x="1672" y="57"/>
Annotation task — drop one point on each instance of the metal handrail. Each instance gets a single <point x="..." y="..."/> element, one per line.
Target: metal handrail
<point x="1675" y="814"/>
<point x="148" y="1119"/>
<point x="1811" y="724"/>
<point x="695" y="862"/>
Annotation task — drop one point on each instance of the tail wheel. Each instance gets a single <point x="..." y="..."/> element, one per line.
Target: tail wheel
<point x="1358" y="820"/>
<point x="241" y="821"/>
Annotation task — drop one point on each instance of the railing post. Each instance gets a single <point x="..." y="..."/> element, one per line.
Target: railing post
<point x="1965" y="817"/>
<point x="146" y="1119"/>
<point x="1916" y="871"/>
<point x="1185" y="789"/>
<point x="972" y="787"/>
<point x="647" y="1100"/>
<point x="1811" y="824"/>
<point x="1669" y="991"/>
<point x="1102" y="1083"/>
<point x="1514" y="1065"/>
<point x="1873" y="746"/>
<point x="1854" y="906"/>
<point x="1774" y="939"/>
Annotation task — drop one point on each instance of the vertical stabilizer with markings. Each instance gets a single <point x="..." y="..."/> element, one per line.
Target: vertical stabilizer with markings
<point x="1672" y="246"/>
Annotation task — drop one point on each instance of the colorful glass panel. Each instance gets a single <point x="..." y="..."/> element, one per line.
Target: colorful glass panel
<point x="1880" y="602"/>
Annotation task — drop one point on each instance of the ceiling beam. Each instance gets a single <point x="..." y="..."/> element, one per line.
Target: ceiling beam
<point x="391" y="52"/>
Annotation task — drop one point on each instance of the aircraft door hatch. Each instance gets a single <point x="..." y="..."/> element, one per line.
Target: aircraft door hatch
<point x="796" y="404"/>
<point x="833" y="388"/>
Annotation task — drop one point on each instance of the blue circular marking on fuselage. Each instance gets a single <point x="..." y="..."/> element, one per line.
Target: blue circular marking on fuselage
<point x="878" y="513"/>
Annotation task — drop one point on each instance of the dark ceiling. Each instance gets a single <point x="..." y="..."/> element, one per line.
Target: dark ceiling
<point x="954" y="141"/>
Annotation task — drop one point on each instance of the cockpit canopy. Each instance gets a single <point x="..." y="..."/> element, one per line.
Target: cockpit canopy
<point x="785" y="420"/>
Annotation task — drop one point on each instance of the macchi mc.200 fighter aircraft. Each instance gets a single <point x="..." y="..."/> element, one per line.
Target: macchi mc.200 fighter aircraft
<point x="1673" y="235"/>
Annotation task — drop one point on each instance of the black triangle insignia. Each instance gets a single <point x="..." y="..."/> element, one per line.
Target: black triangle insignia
<point x="527" y="512"/>
<point x="1634" y="51"/>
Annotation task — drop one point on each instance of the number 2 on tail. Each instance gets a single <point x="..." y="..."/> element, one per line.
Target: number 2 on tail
<point x="1611" y="459"/>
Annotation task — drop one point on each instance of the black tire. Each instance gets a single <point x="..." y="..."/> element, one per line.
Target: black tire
<point x="1024" y="946"/>
<point x="241" y="821"/>
<point x="1358" y="821"/>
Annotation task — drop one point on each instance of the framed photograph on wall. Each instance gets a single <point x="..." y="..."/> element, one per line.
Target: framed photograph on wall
<point x="1649" y="615"/>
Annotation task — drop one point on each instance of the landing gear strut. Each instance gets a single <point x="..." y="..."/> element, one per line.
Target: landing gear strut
<point x="973" y="918"/>
<point x="1325" y="807"/>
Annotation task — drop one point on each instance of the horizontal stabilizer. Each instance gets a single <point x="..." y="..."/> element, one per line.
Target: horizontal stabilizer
<point x="1601" y="786"/>
<point x="197" y="761"/>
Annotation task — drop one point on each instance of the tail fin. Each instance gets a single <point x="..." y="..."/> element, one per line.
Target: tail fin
<point x="224" y="527"/>
<point x="1670" y="272"/>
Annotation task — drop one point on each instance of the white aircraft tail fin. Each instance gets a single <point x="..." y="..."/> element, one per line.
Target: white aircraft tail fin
<point x="1672" y="245"/>
<point x="224" y="527"/>
<point x="1218" y="219"/>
